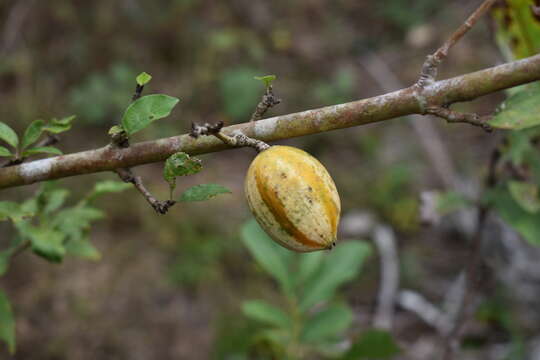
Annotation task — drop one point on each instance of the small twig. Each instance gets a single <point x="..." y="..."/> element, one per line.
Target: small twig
<point x="429" y="68"/>
<point x="121" y="140"/>
<point x="161" y="207"/>
<point x="457" y="117"/>
<point x="47" y="141"/>
<point x="138" y="92"/>
<point x="453" y="339"/>
<point x="268" y="100"/>
<point x="386" y="245"/>
<point x="237" y="140"/>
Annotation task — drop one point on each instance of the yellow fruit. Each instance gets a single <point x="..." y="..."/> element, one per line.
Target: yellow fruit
<point x="293" y="198"/>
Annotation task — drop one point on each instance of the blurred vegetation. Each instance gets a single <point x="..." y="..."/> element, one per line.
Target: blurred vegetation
<point x="177" y="286"/>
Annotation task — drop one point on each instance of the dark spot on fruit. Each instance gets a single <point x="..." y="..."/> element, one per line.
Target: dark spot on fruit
<point x="283" y="175"/>
<point x="310" y="189"/>
<point x="151" y="117"/>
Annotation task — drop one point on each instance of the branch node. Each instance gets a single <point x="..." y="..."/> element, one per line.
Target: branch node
<point x="268" y="100"/>
<point x="237" y="140"/>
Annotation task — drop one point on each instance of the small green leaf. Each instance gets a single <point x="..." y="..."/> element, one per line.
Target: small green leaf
<point x="340" y="266"/>
<point x="82" y="248"/>
<point x="146" y="110"/>
<point x="327" y="324"/>
<point x="8" y="135"/>
<point x="42" y="150"/>
<point x="32" y="133"/>
<point x="203" y="192"/>
<point x="108" y="186"/>
<point x="7" y="323"/>
<point x="525" y="223"/>
<point x="56" y="126"/>
<point x="116" y="129"/>
<point x="75" y="222"/>
<point x="519" y="111"/>
<point x="373" y="344"/>
<point x="5" y="152"/>
<point x="54" y="199"/>
<point x="262" y="311"/>
<point x="47" y="243"/>
<point x="179" y="164"/>
<point x="526" y="195"/>
<point x="143" y="78"/>
<point x="267" y="79"/>
<point x="270" y="256"/>
<point x="14" y="211"/>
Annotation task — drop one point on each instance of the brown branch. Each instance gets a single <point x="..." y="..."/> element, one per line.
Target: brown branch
<point x="429" y="68"/>
<point x="391" y="105"/>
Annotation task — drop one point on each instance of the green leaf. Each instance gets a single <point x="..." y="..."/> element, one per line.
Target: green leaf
<point x="42" y="150"/>
<point x="7" y="323"/>
<point x="525" y="223"/>
<point x="340" y="266"/>
<point x="203" y="192"/>
<point x="32" y="133"/>
<point x="308" y="265"/>
<point x="5" y="152"/>
<point x="14" y="211"/>
<point x="519" y="111"/>
<point x="146" y="110"/>
<point x="270" y="256"/>
<point x="56" y="126"/>
<point x="179" y="164"/>
<point x="267" y="79"/>
<point x="108" y="186"/>
<point x="143" y="78"/>
<point x="82" y="248"/>
<point x="518" y="29"/>
<point x="373" y="344"/>
<point x="327" y="324"/>
<point x="8" y="135"/>
<point x="54" y="199"/>
<point x="260" y="310"/>
<point x="75" y="222"/>
<point x="525" y="194"/>
<point x="116" y="129"/>
<point x="47" y="243"/>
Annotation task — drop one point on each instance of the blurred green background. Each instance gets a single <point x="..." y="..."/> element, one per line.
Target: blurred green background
<point x="172" y="287"/>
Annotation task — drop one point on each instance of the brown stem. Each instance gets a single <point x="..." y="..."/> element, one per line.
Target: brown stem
<point x="237" y="140"/>
<point x="161" y="207"/>
<point x="457" y="117"/>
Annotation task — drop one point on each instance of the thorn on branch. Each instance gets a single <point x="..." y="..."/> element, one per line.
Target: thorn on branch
<point x="237" y="140"/>
<point x="161" y="207"/>
<point x="457" y="117"/>
<point x="268" y="100"/>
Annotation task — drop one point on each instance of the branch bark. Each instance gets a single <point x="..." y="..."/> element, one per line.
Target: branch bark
<point x="399" y="103"/>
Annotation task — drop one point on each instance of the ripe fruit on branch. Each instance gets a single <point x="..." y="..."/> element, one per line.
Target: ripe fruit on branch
<point x="293" y="198"/>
